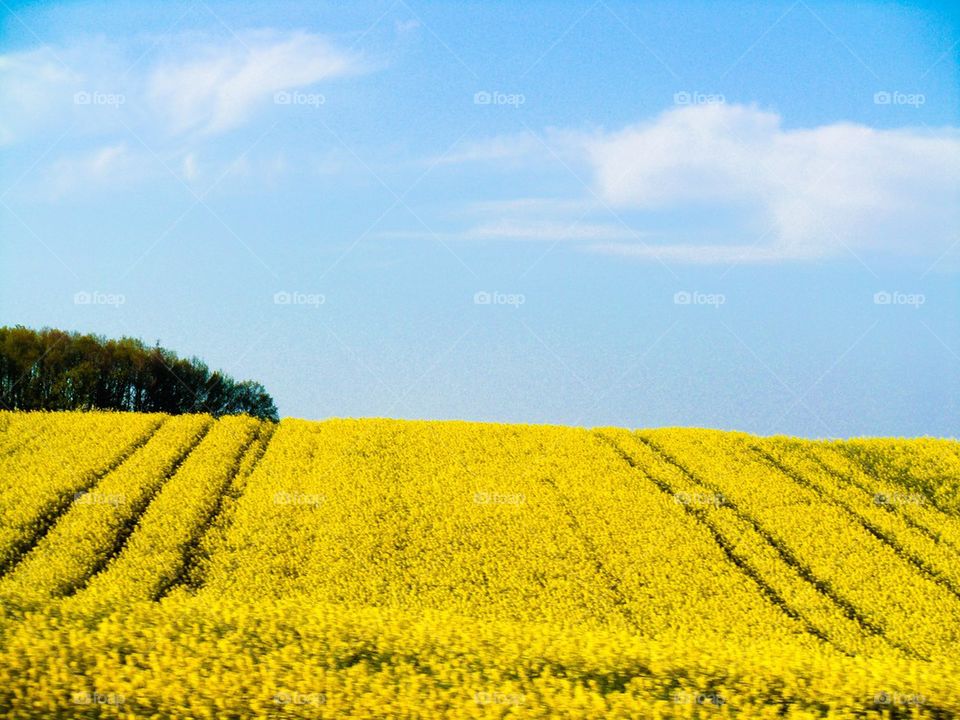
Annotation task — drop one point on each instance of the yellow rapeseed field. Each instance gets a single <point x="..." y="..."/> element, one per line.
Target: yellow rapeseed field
<point x="177" y="567"/>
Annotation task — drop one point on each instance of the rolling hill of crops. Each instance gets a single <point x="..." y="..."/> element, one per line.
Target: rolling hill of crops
<point x="157" y="566"/>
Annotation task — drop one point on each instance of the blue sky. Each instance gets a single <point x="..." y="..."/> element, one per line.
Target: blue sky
<point x="733" y="215"/>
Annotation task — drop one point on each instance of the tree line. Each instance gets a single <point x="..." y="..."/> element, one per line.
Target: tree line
<point x="52" y="369"/>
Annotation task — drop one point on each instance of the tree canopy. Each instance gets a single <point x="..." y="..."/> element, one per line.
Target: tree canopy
<point x="52" y="369"/>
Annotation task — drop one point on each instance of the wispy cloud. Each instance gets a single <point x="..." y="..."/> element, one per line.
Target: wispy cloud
<point x="738" y="186"/>
<point x="35" y="89"/>
<point x="820" y="192"/>
<point x="530" y="206"/>
<point x="691" y="254"/>
<point x="184" y="85"/>
<point x="97" y="168"/>
<point x="512" y="148"/>
<point x="220" y="84"/>
<point x="529" y="231"/>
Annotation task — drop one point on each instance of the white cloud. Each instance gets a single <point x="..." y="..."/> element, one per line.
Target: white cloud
<point x="529" y="231"/>
<point x="166" y="96"/>
<point x="120" y="166"/>
<point x="106" y="166"/>
<point x="501" y="148"/>
<point x="221" y="84"/>
<point x="821" y="191"/>
<point x="187" y="84"/>
<point x="735" y="186"/>
<point x="35" y="88"/>
<point x="190" y="169"/>
<point x="546" y="230"/>
<point x="531" y="205"/>
<point x="704" y="254"/>
<point x="105" y="159"/>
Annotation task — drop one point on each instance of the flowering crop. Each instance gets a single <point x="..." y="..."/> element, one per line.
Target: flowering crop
<point x="190" y="567"/>
<point x="47" y="465"/>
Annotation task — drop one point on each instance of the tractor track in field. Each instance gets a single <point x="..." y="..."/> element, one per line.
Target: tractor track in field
<point x="191" y="551"/>
<point x="124" y="533"/>
<point x="191" y="576"/>
<point x="610" y="578"/>
<point x="18" y="445"/>
<point x="50" y="515"/>
<point x="917" y="563"/>
<point x="845" y="606"/>
<point x="862" y="459"/>
<point x="901" y="512"/>
<point x="740" y="562"/>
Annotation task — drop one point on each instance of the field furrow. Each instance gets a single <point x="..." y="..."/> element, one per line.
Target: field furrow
<point x="786" y="555"/>
<point x="926" y="467"/>
<point x="153" y="557"/>
<point x="201" y="567"/>
<point x="786" y="585"/>
<point x="612" y="581"/>
<point x="98" y="522"/>
<point x="833" y="550"/>
<point x="888" y="494"/>
<point x="36" y="488"/>
<point x="929" y="557"/>
<point x="430" y="523"/>
<point x="212" y="540"/>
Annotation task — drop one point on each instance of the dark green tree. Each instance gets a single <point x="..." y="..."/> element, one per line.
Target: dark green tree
<point x="51" y="369"/>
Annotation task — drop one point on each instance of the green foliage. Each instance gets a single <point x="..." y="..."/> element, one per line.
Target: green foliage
<point x="51" y="369"/>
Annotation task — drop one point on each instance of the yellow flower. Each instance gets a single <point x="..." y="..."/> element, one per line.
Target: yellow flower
<point x="190" y="567"/>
